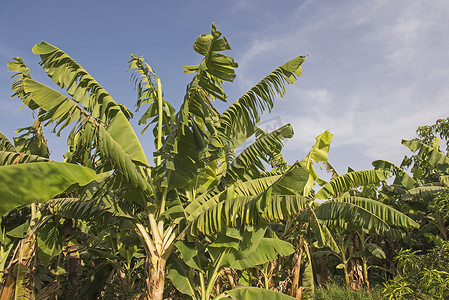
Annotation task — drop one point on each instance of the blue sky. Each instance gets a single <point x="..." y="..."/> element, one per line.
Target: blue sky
<point x="375" y="70"/>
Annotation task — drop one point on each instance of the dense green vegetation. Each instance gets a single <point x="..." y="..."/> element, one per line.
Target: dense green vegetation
<point x="203" y="220"/>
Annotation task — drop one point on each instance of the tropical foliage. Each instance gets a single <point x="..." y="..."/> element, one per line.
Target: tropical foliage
<point x="206" y="217"/>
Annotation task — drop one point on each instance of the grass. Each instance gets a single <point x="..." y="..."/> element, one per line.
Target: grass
<point x="334" y="291"/>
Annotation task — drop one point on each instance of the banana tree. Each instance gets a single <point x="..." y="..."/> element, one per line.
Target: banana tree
<point x="347" y="208"/>
<point x="424" y="195"/>
<point x="24" y="183"/>
<point x="196" y="166"/>
<point x="342" y="206"/>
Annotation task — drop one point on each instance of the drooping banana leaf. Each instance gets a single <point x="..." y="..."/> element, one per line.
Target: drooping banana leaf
<point x="181" y="282"/>
<point x="237" y="122"/>
<point x="246" y="210"/>
<point x="366" y="213"/>
<point x="64" y="111"/>
<point x="423" y="193"/>
<point x="343" y="183"/>
<point x="26" y="183"/>
<point x="84" y="89"/>
<point x="255" y="186"/>
<point x="260" y="151"/>
<point x="375" y="250"/>
<point x="12" y="158"/>
<point x="288" y="185"/>
<point x="5" y="144"/>
<point x="48" y="240"/>
<point x="402" y="178"/>
<point x="429" y="154"/>
<point x="193" y="254"/>
<point x="267" y="249"/>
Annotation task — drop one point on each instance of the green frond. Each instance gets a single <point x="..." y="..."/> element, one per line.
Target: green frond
<point x="366" y="213"/>
<point x="215" y="67"/>
<point x="12" y="158"/>
<point x="319" y="153"/>
<point x="291" y="182"/>
<point x="21" y="72"/>
<point x="248" y="249"/>
<point x="110" y="149"/>
<point x="429" y="154"/>
<point x="262" y="150"/>
<point x="238" y="120"/>
<point x="91" y="133"/>
<point x="423" y="193"/>
<point x="207" y="200"/>
<point x="76" y="209"/>
<point x="185" y="147"/>
<point x="341" y="184"/>
<point x="203" y="203"/>
<point x="181" y="155"/>
<point x="401" y="179"/>
<point x="84" y="89"/>
<point x="26" y="183"/>
<point x="255" y="187"/>
<point x="242" y="211"/>
<point x="145" y="82"/>
<point x="5" y="144"/>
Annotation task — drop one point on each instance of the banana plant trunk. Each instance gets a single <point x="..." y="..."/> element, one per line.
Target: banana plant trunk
<point x="443" y="229"/>
<point x="296" y="271"/>
<point x="347" y="282"/>
<point x="157" y="280"/>
<point x="346" y="269"/>
<point x="365" y="272"/>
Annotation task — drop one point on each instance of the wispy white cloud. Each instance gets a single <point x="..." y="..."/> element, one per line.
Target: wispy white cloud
<point x="376" y="71"/>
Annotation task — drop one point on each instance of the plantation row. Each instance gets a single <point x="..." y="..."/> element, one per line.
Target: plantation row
<point x="202" y="220"/>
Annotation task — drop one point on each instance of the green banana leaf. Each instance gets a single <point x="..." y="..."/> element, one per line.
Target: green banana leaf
<point x="429" y="154"/>
<point x="319" y="153"/>
<point x="402" y="178"/>
<point x="341" y="184"/>
<point x="84" y="89"/>
<point x="366" y="213"/>
<point x="27" y="183"/>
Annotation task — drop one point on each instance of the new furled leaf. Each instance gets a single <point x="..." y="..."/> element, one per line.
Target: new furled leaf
<point x="319" y="153"/>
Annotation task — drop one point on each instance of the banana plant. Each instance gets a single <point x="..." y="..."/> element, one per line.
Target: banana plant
<point x="24" y="184"/>
<point x="341" y="205"/>
<point x="234" y="248"/>
<point x="349" y="208"/>
<point x="423" y="196"/>
<point x="196" y="167"/>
